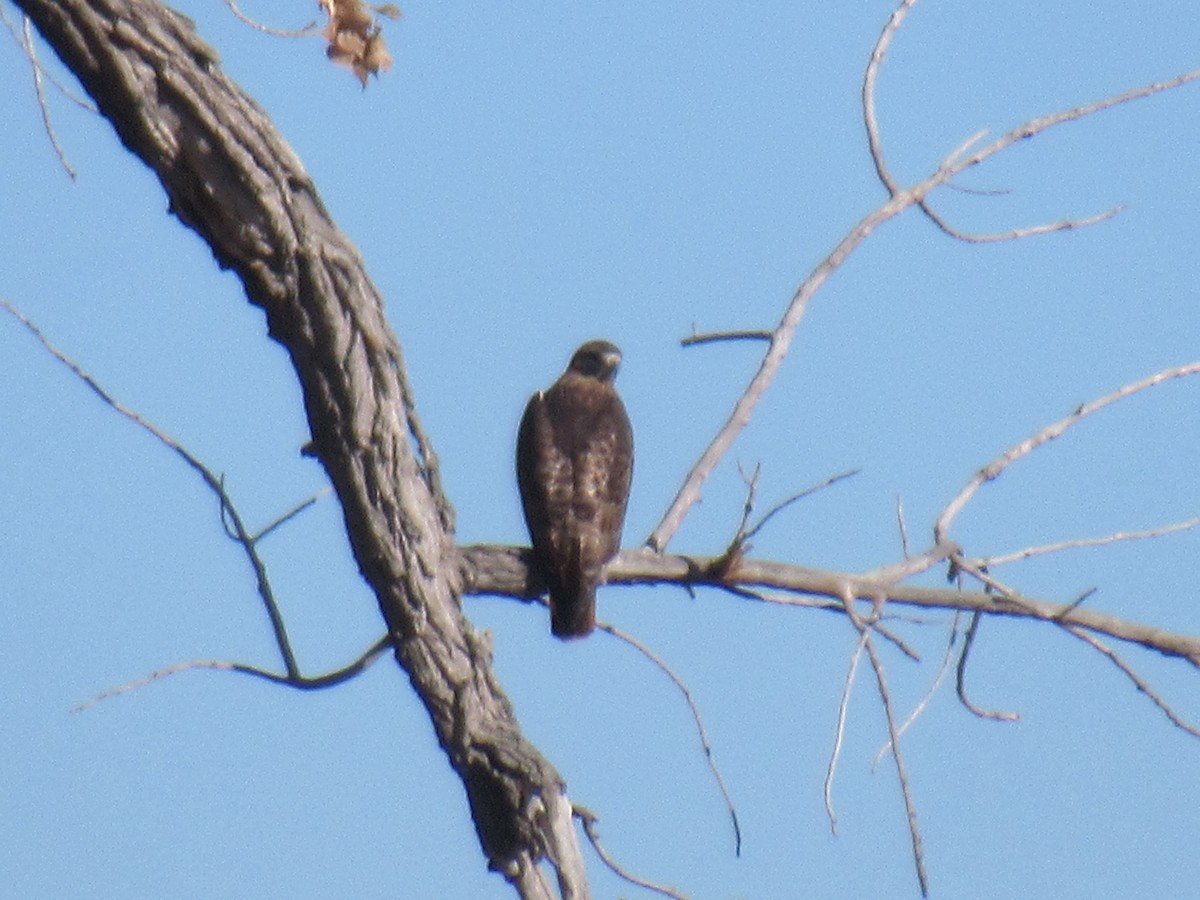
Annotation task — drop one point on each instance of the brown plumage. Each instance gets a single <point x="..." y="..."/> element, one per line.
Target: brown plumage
<point x="574" y="466"/>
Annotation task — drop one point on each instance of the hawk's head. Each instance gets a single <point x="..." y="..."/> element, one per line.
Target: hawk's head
<point x="596" y="359"/>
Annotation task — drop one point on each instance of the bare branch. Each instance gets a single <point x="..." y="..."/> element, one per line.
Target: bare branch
<point x="961" y="674"/>
<point x="214" y="482"/>
<point x="933" y="689"/>
<point x="589" y="820"/>
<point x="800" y="495"/>
<point x="501" y="570"/>
<point x="885" y="697"/>
<point x="1016" y="233"/>
<point x="781" y="337"/>
<point x="839" y="731"/>
<point x="902" y="525"/>
<point x="868" y="94"/>
<point x="993" y="469"/>
<point x="713" y="337"/>
<point x="308" y="30"/>
<point x="301" y="682"/>
<point x="700" y="729"/>
<point x="988" y="562"/>
<point x="1037" y="126"/>
<point x="292" y="513"/>
<point x="1139" y="682"/>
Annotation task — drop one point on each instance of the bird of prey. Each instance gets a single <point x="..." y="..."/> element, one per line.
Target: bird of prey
<point x="574" y="466"/>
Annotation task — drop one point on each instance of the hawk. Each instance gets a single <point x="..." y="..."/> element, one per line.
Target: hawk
<point x="574" y="466"/>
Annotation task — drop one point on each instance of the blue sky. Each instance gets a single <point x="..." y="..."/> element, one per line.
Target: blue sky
<point x="526" y="177"/>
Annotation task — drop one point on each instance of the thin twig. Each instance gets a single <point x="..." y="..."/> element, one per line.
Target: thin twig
<point x="933" y="689"/>
<point x="213" y="481"/>
<point x="902" y="525"/>
<point x="292" y="513"/>
<point x="75" y="98"/>
<point x="961" y="675"/>
<point x="713" y="337"/>
<point x="992" y="561"/>
<point x="839" y="732"/>
<point x="1140" y="683"/>
<point x="307" y="31"/>
<point x="993" y="469"/>
<point x="807" y="492"/>
<point x="40" y="92"/>
<point x="1016" y="234"/>
<point x="303" y="683"/>
<point x="868" y="94"/>
<point x="695" y="710"/>
<point x="885" y="697"/>
<point x="589" y="820"/>
<point x="1075" y="604"/>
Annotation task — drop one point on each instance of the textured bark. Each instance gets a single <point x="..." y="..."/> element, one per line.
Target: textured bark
<point x="231" y="177"/>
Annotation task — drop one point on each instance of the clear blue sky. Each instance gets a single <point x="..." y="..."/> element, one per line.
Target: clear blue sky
<point x="528" y="176"/>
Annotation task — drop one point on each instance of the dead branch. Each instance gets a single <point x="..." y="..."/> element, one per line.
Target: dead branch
<point x="657" y="661"/>
<point x="960" y="677"/>
<point x="947" y="658"/>
<point x="885" y="696"/>
<point x="589" y="820"/>
<point x="996" y="467"/>
<point x="899" y="199"/>
<point x="300" y="682"/>
<point x="1140" y="683"/>
<point x="713" y="337"/>
<point x="503" y="571"/>
<point x="308" y="30"/>
<point x="988" y="562"/>
<point x="839" y="732"/>
<point x="235" y="527"/>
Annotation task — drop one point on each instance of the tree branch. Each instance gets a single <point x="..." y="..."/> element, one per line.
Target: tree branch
<point x="503" y="571"/>
<point x="233" y="179"/>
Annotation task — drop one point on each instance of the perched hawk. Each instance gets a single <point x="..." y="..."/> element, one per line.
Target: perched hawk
<point x="574" y="465"/>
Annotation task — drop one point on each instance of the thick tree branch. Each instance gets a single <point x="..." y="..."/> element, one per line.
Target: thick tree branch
<point x="492" y="569"/>
<point x="233" y="179"/>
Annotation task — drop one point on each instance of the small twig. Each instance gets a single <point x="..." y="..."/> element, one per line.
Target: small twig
<point x="933" y="689"/>
<point x="868" y="93"/>
<point x="307" y="31"/>
<point x="303" y="683"/>
<point x="1138" y="682"/>
<point x="589" y="820"/>
<point x="885" y="696"/>
<point x="1016" y="234"/>
<point x="40" y="92"/>
<point x="992" y="561"/>
<point x="700" y="729"/>
<point x="833" y="606"/>
<point x="712" y="337"/>
<point x="961" y="673"/>
<point x="229" y="514"/>
<point x="997" y="466"/>
<point x="902" y="525"/>
<point x="79" y="101"/>
<point x="292" y="513"/>
<point x="839" y="732"/>
<point x="1074" y="605"/>
<point x="807" y="492"/>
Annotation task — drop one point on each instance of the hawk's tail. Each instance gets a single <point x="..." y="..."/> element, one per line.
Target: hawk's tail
<point x="573" y="614"/>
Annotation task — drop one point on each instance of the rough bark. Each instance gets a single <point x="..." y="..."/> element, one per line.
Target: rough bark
<point x="231" y="177"/>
